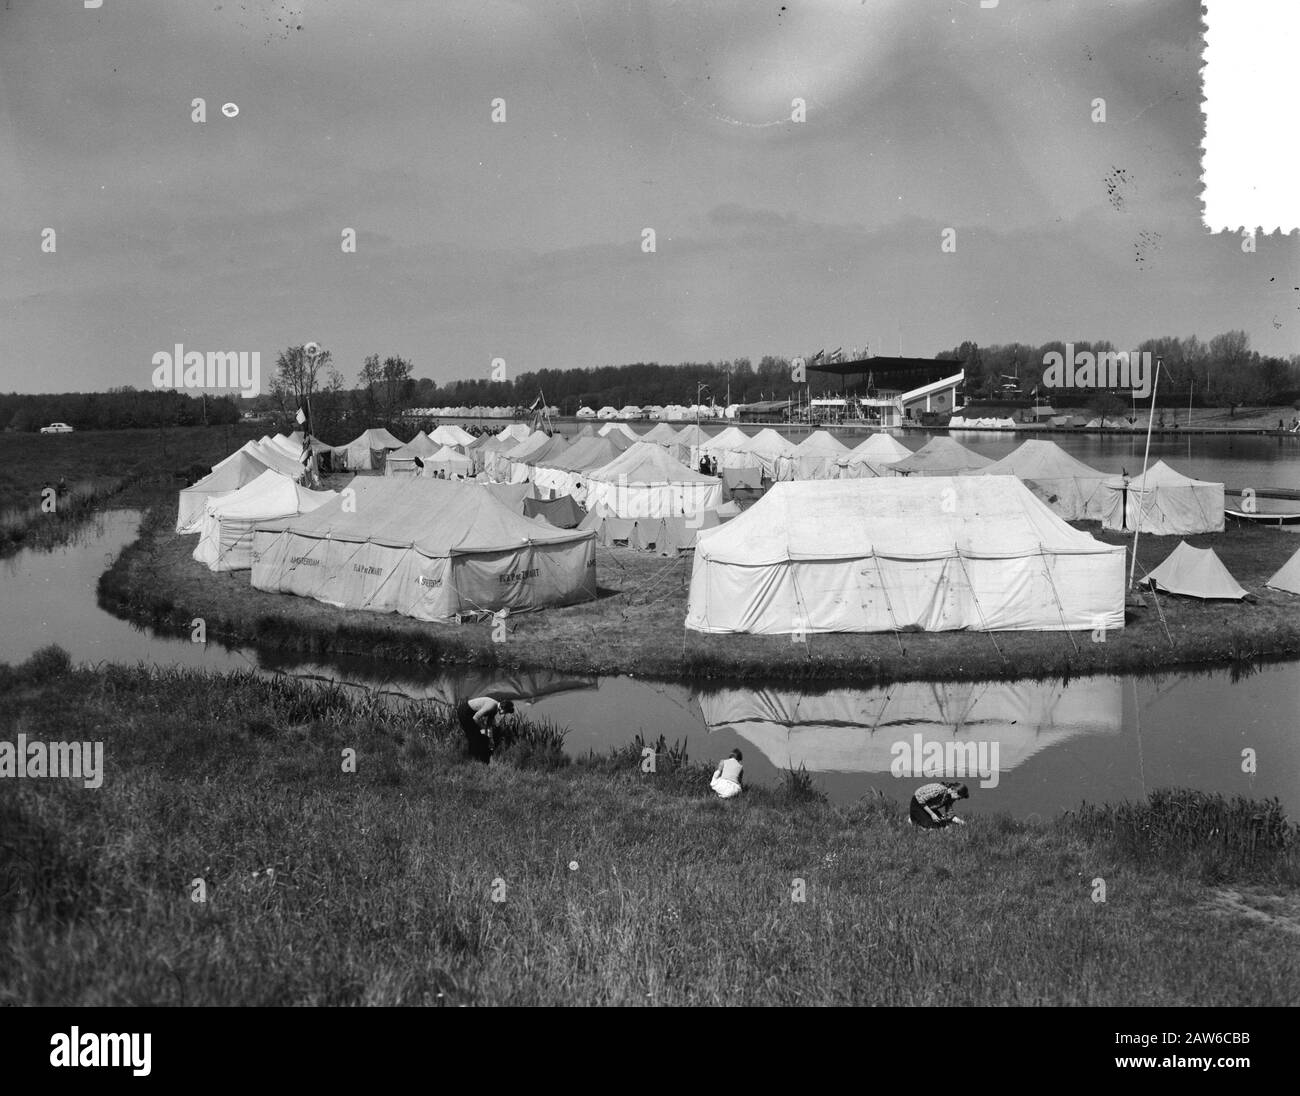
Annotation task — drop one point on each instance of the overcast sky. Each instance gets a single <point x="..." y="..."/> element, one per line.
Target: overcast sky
<point x="522" y="240"/>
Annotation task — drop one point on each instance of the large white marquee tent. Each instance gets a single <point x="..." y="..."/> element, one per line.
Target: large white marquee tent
<point x="870" y="555"/>
<point x="429" y="549"/>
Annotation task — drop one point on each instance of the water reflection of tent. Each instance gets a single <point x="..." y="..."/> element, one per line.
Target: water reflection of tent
<point x="520" y="685"/>
<point x="854" y="730"/>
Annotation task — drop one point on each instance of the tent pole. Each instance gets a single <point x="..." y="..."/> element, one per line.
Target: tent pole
<point x="975" y="598"/>
<point x="1137" y="525"/>
<point x="893" y="620"/>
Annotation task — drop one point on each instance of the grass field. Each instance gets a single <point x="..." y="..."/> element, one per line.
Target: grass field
<point x="423" y="878"/>
<point x="636" y="625"/>
<point x="97" y="465"/>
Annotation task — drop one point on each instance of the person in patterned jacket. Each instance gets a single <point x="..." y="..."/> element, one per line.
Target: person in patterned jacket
<point x="931" y="806"/>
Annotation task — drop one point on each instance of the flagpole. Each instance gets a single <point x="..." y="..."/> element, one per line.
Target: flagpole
<point x="1137" y="525"/>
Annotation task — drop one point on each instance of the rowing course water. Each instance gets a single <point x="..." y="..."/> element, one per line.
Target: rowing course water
<point x="1238" y="461"/>
<point x="1047" y="746"/>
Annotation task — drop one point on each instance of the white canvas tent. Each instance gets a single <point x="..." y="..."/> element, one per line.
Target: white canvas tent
<point x="619" y="428"/>
<point x="645" y="482"/>
<point x="731" y="437"/>
<point x="1171" y="503"/>
<point x="402" y="462"/>
<point x="816" y="457"/>
<point x="450" y="434"/>
<point x="367" y="450"/>
<point x="661" y="434"/>
<point x="425" y="548"/>
<point x="871" y="555"/>
<point x="226" y="528"/>
<point x="450" y="462"/>
<point x="857" y="730"/>
<point x="1066" y="484"/>
<point x="226" y="478"/>
<point x="1288" y="576"/>
<point x="764" y="450"/>
<point x="516" y="430"/>
<point x="1194" y="572"/>
<point x="270" y="455"/>
<point x="566" y="473"/>
<point x="874" y="457"/>
<point x="940" y="456"/>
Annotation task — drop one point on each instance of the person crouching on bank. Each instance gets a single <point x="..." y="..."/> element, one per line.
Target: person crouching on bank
<point x="478" y="719"/>
<point x="729" y="777"/>
<point x="931" y="806"/>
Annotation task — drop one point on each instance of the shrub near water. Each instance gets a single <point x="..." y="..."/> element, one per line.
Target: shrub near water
<point x="615" y="886"/>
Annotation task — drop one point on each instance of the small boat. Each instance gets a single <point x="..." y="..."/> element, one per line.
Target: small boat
<point x="1259" y="517"/>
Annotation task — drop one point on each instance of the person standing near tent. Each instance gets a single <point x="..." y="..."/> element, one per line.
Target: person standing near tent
<point x="932" y="805"/>
<point x="478" y="718"/>
<point x="729" y="777"/>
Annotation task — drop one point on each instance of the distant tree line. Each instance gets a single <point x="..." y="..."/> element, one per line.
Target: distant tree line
<point x="117" y="409"/>
<point x="1220" y="373"/>
<point x="1223" y="372"/>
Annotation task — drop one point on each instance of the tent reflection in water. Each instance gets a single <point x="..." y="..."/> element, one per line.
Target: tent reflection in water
<point x="425" y="548"/>
<point x="859" y="730"/>
<point x="890" y="553"/>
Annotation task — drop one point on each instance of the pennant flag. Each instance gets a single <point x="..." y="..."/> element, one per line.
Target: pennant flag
<point x="300" y="417"/>
<point x="535" y="404"/>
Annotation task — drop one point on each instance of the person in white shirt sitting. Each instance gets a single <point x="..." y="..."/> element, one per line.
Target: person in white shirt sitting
<point x="729" y="777"/>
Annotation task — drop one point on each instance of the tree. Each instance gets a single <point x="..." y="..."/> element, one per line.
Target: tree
<point x="296" y="379"/>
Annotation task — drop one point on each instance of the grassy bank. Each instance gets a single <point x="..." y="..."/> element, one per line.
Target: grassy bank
<point x="98" y="466"/>
<point x="635" y="626"/>
<point x="615" y="886"/>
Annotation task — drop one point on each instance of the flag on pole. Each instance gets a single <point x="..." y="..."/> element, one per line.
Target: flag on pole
<point x="836" y="354"/>
<point x="300" y="417"/>
<point x="818" y="356"/>
<point x="535" y="404"/>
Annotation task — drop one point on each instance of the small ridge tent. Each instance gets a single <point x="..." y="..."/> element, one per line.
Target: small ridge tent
<point x="816" y="457"/>
<point x="875" y="456"/>
<point x="367" y="450"/>
<point x="586" y="413"/>
<point x="229" y="476"/>
<point x="1110" y="424"/>
<point x="563" y="513"/>
<point x="764" y="450"/>
<point x="450" y="434"/>
<point x="1288" y="576"/>
<point x="1194" y="572"/>
<point x="619" y="428"/>
<point x="645" y="482"/>
<point x="1171" y="503"/>
<point x="861" y="730"/>
<point x="450" y="462"/>
<point x="940" y="456"/>
<point x="428" y="549"/>
<point x="1067" y="485"/>
<point x="870" y="555"/>
<point x="401" y="462"/>
<point x="226" y="528"/>
<point x="607" y="412"/>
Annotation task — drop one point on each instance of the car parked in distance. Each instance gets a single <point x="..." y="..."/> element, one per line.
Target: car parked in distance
<point x="57" y="428"/>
